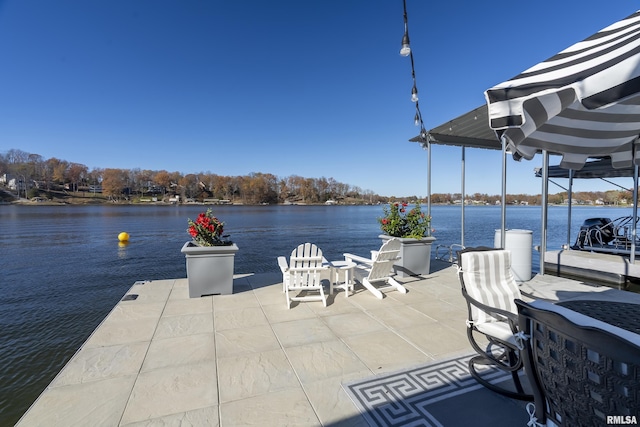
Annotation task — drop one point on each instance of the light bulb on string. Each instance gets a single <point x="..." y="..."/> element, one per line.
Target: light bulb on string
<point x="414" y="94"/>
<point x="405" y="50"/>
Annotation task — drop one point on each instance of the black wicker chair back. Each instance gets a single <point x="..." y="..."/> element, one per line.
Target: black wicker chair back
<point x="584" y="372"/>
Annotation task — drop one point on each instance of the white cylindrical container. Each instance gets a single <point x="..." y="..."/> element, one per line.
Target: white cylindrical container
<point x="520" y="243"/>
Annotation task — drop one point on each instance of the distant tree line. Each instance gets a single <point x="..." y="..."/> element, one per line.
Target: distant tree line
<point x="119" y="184"/>
<point x="42" y="175"/>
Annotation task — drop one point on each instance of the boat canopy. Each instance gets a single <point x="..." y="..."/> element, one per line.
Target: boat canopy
<point x="598" y="168"/>
<point x="468" y="130"/>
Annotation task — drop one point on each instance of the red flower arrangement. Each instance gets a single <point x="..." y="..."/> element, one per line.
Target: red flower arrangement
<point x="207" y="230"/>
<point x="397" y="222"/>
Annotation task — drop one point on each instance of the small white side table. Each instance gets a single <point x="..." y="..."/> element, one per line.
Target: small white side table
<point x="347" y="267"/>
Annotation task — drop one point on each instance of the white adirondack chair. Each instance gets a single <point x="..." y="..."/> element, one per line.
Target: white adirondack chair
<point x="377" y="270"/>
<point x="304" y="272"/>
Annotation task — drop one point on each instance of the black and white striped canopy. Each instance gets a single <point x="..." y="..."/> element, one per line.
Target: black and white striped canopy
<point x="583" y="102"/>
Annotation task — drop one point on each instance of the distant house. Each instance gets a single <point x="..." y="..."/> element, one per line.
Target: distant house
<point x="18" y="184"/>
<point x="5" y="178"/>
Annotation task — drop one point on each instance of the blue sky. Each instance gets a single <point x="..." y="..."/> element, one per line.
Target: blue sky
<point x="311" y="88"/>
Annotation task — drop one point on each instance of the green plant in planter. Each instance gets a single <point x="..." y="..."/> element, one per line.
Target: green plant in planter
<point x="207" y="230"/>
<point x="399" y="221"/>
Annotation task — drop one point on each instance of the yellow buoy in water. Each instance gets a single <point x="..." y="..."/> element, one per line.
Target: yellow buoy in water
<point x="123" y="237"/>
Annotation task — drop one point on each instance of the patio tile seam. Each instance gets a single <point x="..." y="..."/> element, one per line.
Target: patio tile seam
<point x="341" y="339"/>
<point x="129" y="393"/>
<point x="338" y="378"/>
<point x="258" y="395"/>
<point x="286" y="355"/>
<point x="53" y="384"/>
<point x="180" y="362"/>
<point x="399" y="332"/>
<point x="146" y="353"/>
<point x="395" y="331"/>
<point x="316" y="315"/>
<point x="392" y="330"/>
<point x="218" y="359"/>
<point x="106" y="322"/>
<point x="281" y="348"/>
<point x="408" y="341"/>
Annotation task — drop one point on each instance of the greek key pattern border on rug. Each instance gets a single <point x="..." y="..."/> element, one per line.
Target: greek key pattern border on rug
<point x="402" y="398"/>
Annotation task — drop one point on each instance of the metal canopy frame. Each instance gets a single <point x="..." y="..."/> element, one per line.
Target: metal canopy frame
<point x="472" y="130"/>
<point x="468" y="130"/>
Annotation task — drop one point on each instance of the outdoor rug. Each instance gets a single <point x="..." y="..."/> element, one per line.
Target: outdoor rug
<point x="440" y="393"/>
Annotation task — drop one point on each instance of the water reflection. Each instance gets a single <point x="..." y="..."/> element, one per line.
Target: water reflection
<point x="122" y="249"/>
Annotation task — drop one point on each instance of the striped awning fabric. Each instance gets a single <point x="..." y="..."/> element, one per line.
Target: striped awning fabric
<point x="583" y="102"/>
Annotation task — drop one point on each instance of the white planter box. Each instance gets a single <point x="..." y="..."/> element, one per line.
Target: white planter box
<point x="415" y="256"/>
<point x="209" y="269"/>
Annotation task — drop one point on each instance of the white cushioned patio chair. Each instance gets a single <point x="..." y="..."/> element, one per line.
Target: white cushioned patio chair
<point x="302" y="276"/>
<point x="584" y="371"/>
<point x="490" y="290"/>
<point x="375" y="273"/>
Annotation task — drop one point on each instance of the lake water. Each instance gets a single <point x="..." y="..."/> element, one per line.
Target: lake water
<point x="63" y="269"/>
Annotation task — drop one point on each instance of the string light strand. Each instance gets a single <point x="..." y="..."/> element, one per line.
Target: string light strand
<point x="405" y="50"/>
